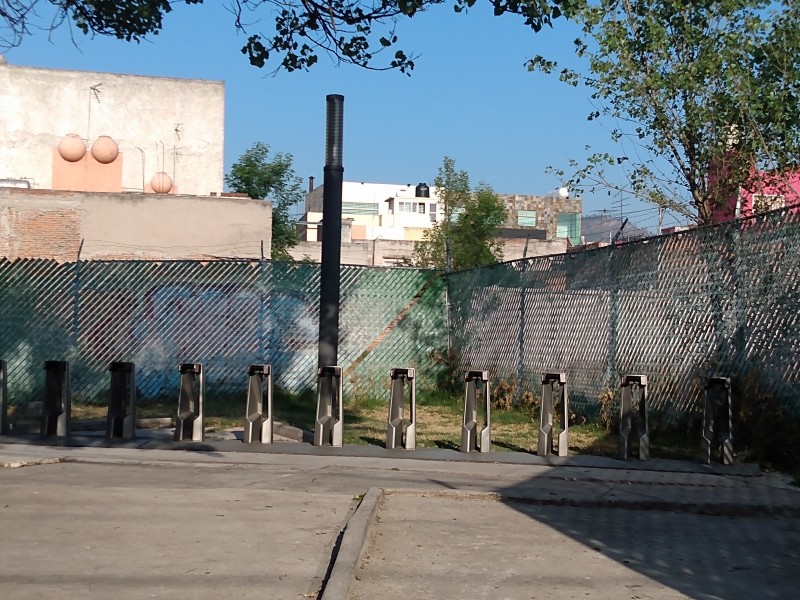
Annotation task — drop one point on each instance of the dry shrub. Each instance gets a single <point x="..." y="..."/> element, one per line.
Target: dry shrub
<point x="608" y="410"/>
<point x="507" y="395"/>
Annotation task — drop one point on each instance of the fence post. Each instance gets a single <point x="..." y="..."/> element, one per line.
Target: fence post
<point x="613" y="316"/>
<point x="189" y="422"/>
<point x="394" y="427"/>
<point x="629" y="414"/>
<point x="121" y="417"/>
<point x="545" y="443"/>
<point x="521" y="331"/>
<point x="717" y="420"/>
<point x="328" y="428"/>
<point x="257" y="424"/>
<point x="3" y="398"/>
<point x="57" y="399"/>
<point x="471" y="438"/>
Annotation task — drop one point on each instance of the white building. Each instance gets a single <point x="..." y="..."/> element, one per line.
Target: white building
<point x="378" y="211"/>
<point x="383" y="211"/>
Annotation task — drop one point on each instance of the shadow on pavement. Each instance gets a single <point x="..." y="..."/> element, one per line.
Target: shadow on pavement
<point x="707" y="546"/>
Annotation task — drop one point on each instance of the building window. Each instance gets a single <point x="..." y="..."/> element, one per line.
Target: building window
<point x="432" y="211"/>
<point x="765" y="202"/>
<point x="455" y="213"/>
<point x="359" y="208"/>
<point x="569" y="226"/>
<point x="411" y="207"/>
<point x="526" y="218"/>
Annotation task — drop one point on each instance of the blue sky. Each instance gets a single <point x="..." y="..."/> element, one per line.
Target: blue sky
<point x="469" y="97"/>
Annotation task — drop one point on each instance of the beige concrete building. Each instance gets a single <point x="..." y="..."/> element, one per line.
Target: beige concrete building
<point x="104" y="132"/>
<point x="109" y="166"/>
<point x="53" y="224"/>
<point x="378" y="211"/>
<point x="381" y="211"/>
<point x="382" y="222"/>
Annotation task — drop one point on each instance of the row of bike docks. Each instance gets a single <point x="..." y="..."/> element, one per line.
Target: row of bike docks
<point x="476" y="436"/>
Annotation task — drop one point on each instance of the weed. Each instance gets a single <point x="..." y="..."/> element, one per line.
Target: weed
<point x="608" y="410"/>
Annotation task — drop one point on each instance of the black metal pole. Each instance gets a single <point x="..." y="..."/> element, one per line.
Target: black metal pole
<point x="331" y="233"/>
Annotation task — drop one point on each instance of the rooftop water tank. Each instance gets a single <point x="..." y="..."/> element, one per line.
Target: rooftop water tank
<point x="422" y="191"/>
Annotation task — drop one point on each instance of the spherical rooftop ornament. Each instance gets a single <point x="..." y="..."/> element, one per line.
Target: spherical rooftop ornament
<point x="72" y="148"/>
<point x="161" y="183"/>
<point x="563" y="192"/>
<point x="105" y="150"/>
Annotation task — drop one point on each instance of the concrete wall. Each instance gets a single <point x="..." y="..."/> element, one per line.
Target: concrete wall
<point x="514" y="248"/>
<point x="51" y="224"/>
<point x="385" y="253"/>
<point x="160" y="124"/>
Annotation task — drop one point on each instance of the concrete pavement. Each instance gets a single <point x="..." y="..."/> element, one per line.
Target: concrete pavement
<point x="153" y="518"/>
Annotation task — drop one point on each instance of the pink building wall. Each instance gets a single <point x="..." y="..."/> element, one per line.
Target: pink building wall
<point x="765" y="184"/>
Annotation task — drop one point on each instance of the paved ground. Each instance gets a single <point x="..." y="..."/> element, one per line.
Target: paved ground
<point x="236" y="521"/>
<point x="456" y="546"/>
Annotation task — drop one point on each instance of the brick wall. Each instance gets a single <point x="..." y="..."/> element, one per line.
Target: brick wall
<point x="30" y="233"/>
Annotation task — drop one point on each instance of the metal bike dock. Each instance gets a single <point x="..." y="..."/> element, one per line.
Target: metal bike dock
<point x="402" y="379"/>
<point x="633" y="411"/>
<point x="473" y="439"/>
<point x="121" y="418"/>
<point x="328" y="428"/>
<point x="258" y="414"/>
<point x="3" y="398"/>
<point x="189" y="422"/>
<point x="554" y="386"/>
<point x="56" y="408"/>
<point x="717" y="421"/>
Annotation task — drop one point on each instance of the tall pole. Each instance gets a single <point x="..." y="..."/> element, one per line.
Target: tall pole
<point x="331" y="233"/>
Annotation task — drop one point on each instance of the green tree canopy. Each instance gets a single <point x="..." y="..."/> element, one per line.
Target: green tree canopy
<point x="471" y="223"/>
<point x="297" y="32"/>
<point x="273" y="179"/>
<point x="688" y="87"/>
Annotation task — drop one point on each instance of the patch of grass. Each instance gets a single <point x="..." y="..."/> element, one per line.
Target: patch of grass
<point x="439" y="417"/>
<point x="438" y="397"/>
<point x="438" y="425"/>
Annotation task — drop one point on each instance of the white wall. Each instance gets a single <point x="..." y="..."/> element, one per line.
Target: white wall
<point x="159" y="124"/>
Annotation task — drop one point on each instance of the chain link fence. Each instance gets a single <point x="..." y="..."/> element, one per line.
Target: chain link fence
<point x="223" y="314"/>
<point x="718" y="300"/>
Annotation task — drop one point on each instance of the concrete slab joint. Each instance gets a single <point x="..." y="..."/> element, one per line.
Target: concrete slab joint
<point x="352" y="547"/>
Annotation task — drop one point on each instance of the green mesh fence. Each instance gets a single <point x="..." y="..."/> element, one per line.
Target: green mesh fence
<point x="721" y="300"/>
<point x="223" y="314"/>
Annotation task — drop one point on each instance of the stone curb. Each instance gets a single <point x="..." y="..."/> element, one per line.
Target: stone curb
<point x="292" y="433"/>
<point x="352" y="547"/>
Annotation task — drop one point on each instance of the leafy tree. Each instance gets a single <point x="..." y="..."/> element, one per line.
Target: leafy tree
<point x="689" y="88"/>
<point x="471" y="224"/>
<point x="350" y="31"/>
<point x="259" y="177"/>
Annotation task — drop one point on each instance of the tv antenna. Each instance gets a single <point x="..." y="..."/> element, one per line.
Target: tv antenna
<point x="96" y="93"/>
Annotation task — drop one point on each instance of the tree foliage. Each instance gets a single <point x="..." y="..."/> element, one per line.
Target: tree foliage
<point x="688" y="87"/>
<point x="273" y="179"/>
<point x="360" y="32"/>
<point x="471" y="223"/>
